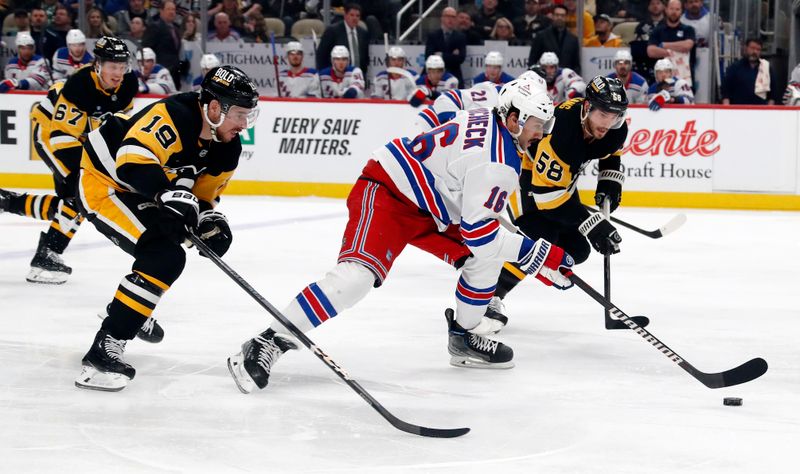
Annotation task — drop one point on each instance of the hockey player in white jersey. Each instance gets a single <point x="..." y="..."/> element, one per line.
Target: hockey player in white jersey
<point x="668" y="88"/>
<point x="432" y="83"/>
<point x="71" y="57"/>
<point x="207" y="63"/>
<point x="297" y="80"/>
<point x="441" y="192"/>
<point x="635" y="85"/>
<point x="562" y="83"/>
<point x="483" y="94"/>
<point x="401" y="80"/>
<point x="342" y="80"/>
<point x="153" y="77"/>
<point x="494" y="70"/>
<point x="26" y="70"/>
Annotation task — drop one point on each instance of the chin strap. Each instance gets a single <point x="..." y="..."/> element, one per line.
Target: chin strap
<point x="212" y="124"/>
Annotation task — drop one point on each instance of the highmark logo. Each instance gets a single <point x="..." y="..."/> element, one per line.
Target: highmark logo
<point x="248" y="137"/>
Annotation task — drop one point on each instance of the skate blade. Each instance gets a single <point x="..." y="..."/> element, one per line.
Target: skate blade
<point x="93" y="379"/>
<point x="240" y="376"/>
<point x="46" y="277"/>
<point x="472" y="363"/>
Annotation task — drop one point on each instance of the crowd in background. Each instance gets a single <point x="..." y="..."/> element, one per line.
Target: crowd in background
<point x="652" y="31"/>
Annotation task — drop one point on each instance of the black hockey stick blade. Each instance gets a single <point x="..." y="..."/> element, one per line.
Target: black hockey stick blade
<point x="393" y="420"/>
<point x="665" y="229"/>
<point x="746" y="372"/>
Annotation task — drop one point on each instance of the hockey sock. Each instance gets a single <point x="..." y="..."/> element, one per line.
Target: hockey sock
<point x="510" y="277"/>
<point x="64" y="225"/>
<point x="36" y="206"/>
<point x="136" y="298"/>
<point x="471" y="302"/>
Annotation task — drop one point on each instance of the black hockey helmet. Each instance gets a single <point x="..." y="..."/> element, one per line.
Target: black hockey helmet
<point x="109" y="48"/>
<point x="538" y="69"/>
<point x="607" y="94"/>
<point x="230" y="86"/>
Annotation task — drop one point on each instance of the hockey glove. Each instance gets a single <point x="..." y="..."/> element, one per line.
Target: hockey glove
<point x="350" y="93"/>
<point x="658" y="100"/>
<point x="551" y="265"/>
<point x="179" y="209"/>
<point x="418" y="97"/>
<point x="609" y="185"/>
<point x="8" y="85"/>
<point x="214" y="230"/>
<point x="601" y="234"/>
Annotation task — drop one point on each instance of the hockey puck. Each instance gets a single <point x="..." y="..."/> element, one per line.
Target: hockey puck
<point x="732" y="402"/>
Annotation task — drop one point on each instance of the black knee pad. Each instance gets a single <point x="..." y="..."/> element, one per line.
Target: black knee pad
<point x="159" y="258"/>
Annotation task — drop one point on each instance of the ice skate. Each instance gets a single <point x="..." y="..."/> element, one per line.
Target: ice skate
<point x="103" y="367"/>
<point x="47" y="266"/>
<point x="150" y="331"/>
<point x="472" y="350"/>
<point x="251" y="367"/>
<point x="495" y="314"/>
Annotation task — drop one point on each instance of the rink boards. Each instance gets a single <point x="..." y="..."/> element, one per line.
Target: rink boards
<point x="683" y="156"/>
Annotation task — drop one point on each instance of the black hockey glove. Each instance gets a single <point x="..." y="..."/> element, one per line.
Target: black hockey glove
<point x="601" y="234"/>
<point x="215" y="232"/>
<point x="609" y="185"/>
<point x="179" y="209"/>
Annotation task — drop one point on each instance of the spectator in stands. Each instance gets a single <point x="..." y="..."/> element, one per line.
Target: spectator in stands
<point x="232" y="9"/>
<point x="448" y="43"/>
<point x="792" y="94"/>
<point x="634" y="10"/>
<point x="486" y="17"/>
<point x="38" y="25"/>
<point x="603" y="35"/>
<point x="287" y="10"/>
<point x="72" y="57"/>
<point x="572" y="19"/>
<point x="347" y="33"/>
<point x="96" y="25"/>
<point x="503" y="30"/>
<point x="395" y="85"/>
<point x="21" y="22"/>
<point x="668" y="88"/>
<point x="153" y="77"/>
<point x="111" y="7"/>
<point x="191" y="27"/>
<point x="433" y="81"/>
<point x="49" y="7"/>
<point x="341" y="80"/>
<point x="223" y="33"/>
<point x="27" y="70"/>
<point x="255" y="29"/>
<point x="163" y="37"/>
<point x="751" y="80"/>
<point x="642" y="63"/>
<point x="135" y="10"/>
<point x="136" y="32"/>
<point x="297" y="80"/>
<point x="532" y="22"/>
<point x="698" y="17"/>
<point x="671" y="38"/>
<point x="493" y="72"/>
<point x="557" y="39"/>
<point x="465" y="25"/>
<point x="55" y="35"/>
<point x="635" y="85"/>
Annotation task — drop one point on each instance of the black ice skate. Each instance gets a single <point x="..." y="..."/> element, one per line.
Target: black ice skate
<point x="47" y="266"/>
<point x="251" y="367"/>
<point x="5" y="200"/>
<point x="103" y="367"/>
<point x="473" y="350"/>
<point x="150" y="331"/>
<point x="495" y="312"/>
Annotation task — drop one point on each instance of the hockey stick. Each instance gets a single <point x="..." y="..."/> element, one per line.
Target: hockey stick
<point x="316" y="50"/>
<point x="386" y="52"/>
<point x="665" y="229"/>
<point x="396" y="422"/>
<point x="746" y="372"/>
<point x="607" y="268"/>
<point x="275" y="64"/>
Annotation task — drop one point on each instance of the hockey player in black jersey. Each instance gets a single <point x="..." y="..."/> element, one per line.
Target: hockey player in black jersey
<point x="60" y="124"/>
<point x="586" y="129"/>
<point x="144" y="181"/>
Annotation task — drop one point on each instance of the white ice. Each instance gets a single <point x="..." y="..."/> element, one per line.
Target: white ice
<point x="721" y="290"/>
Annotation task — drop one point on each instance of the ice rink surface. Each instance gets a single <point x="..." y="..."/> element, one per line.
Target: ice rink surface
<point x="720" y="290"/>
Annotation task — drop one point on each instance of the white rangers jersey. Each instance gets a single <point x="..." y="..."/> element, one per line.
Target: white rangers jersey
<point x="304" y="83"/>
<point x="158" y="82"/>
<point x="635" y="87"/>
<point x="462" y="173"/>
<point x="64" y="65"/>
<point x="35" y="72"/>
<point x="567" y="85"/>
<point x="679" y="90"/>
<point x="448" y="82"/>
<point x="336" y="87"/>
<point x="402" y="87"/>
<point x="445" y="107"/>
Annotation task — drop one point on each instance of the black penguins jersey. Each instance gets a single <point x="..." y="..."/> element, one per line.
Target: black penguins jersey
<point x="160" y="147"/>
<point x="551" y="170"/>
<point x="78" y="107"/>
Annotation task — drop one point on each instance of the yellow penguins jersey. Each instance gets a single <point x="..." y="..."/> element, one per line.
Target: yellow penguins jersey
<point x="554" y="166"/>
<point x="160" y="147"/>
<point x="79" y="106"/>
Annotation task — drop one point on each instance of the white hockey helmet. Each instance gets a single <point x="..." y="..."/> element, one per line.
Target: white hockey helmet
<point x="396" y="52"/>
<point x="340" y="51"/>
<point x="24" y="39"/>
<point x="623" y="55"/>
<point x="209" y="61"/>
<point x="76" y="37"/>
<point x="535" y="79"/>
<point x="493" y="58"/>
<point x="664" y="64"/>
<point x="528" y="99"/>
<point x="147" y="54"/>
<point x="434" y="61"/>
<point x="294" y="47"/>
<point x="548" y="59"/>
